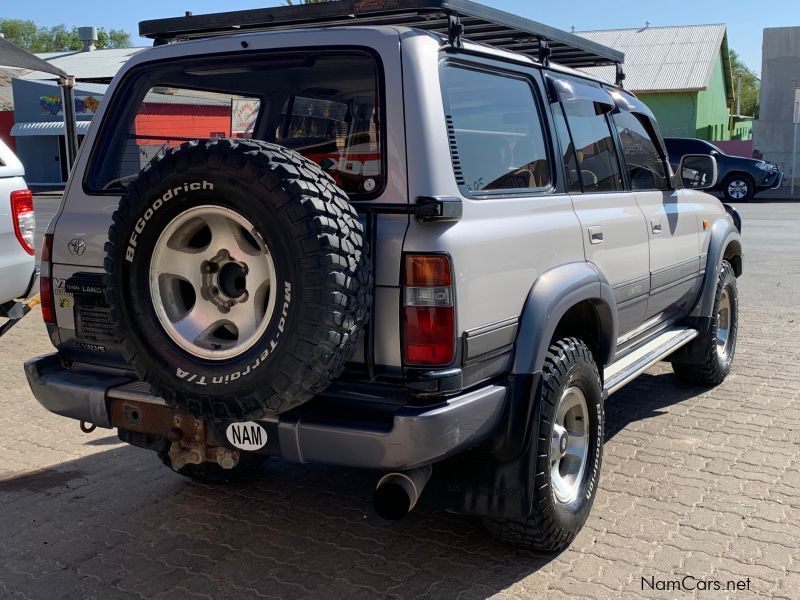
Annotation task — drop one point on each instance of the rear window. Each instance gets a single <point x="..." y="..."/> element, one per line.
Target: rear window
<point x="498" y="131"/>
<point x="324" y="105"/>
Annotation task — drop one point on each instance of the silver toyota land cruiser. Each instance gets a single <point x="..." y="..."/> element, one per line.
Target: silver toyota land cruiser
<point x="403" y="236"/>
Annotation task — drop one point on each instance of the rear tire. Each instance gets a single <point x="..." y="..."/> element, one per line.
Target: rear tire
<point x="718" y="346"/>
<point x="571" y="403"/>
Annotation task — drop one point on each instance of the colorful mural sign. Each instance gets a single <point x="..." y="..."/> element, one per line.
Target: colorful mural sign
<point x="52" y="105"/>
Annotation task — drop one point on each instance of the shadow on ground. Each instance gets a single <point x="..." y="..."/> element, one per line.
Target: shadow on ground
<point x="118" y="524"/>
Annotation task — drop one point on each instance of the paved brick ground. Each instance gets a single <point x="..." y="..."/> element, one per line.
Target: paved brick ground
<point x="697" y="482"/>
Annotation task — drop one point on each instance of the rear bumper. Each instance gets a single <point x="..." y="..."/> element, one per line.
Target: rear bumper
<point x="412" y="436"/>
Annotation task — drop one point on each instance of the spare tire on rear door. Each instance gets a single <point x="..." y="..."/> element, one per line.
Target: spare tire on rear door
<point x="238" y="277"/>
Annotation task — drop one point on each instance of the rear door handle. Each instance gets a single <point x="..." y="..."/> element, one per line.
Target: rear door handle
<point x="595" y="235"/>
<point x="655" y="225"/>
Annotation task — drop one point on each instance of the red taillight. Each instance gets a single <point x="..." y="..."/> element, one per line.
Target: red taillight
<point x="45" y="283"/>
<point x="24" y="220"/>
<point x="428" y="311"/>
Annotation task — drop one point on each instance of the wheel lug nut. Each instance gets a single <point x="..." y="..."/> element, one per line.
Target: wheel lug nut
<point x="210" y="267"/>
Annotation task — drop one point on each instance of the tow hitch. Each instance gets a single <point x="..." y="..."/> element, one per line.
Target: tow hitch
<point x="191" y="440"/>
<point x="15" y="311"/>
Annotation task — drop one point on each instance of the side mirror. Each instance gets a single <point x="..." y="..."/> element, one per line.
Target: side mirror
<point x="697" y="172"/>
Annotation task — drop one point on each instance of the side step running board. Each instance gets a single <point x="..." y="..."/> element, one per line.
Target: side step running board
<point x="634" y="364"/>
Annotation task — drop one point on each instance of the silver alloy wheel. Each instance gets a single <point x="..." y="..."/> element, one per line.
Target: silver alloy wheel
<point x="724" y="320"/>
<point x="212" y="282"/>
<point x="569" y="444"/>
<point x="737" y="189"/>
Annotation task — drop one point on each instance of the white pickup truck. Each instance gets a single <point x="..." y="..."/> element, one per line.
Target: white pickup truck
<point x="17" y="231"/>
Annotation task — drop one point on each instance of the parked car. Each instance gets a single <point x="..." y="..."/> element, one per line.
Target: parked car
<point x="739" y="178"/>
<point x="420" y="252"/>
<point x="17" y="230"/>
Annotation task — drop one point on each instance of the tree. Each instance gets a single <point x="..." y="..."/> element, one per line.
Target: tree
<point x="26" y="34"/>
<point x="751" y="85"/>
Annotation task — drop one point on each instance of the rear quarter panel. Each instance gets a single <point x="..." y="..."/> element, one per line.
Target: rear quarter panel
<point x="501" y="245"/>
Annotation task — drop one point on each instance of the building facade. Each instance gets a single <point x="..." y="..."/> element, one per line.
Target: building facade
<point x="682" y="73"/>
<point x="780" y="78"/>
<point x="37" y="128"/>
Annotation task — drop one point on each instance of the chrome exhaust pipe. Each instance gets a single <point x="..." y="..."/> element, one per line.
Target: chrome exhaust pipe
<point x="397" y="493"/>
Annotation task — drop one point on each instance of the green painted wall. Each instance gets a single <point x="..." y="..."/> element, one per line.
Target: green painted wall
<point x="713" y="116"/>
<point x="742" y="129"/>
<point x="675" y="112"/>
<point x="701" y="114"/>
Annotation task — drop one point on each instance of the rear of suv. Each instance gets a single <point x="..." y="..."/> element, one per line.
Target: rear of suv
<point x="17" y="231"/>
<point x="384" y="247"/>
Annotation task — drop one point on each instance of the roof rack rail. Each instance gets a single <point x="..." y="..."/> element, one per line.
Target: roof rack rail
<point x="447" y="17"/>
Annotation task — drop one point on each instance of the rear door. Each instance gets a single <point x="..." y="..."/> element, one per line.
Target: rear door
<point x="671" y="216"/>
<point x="614" y="230"/>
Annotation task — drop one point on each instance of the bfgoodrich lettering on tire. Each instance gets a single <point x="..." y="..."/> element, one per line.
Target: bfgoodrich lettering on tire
<point x="567" y="452"/>
<point x="238" y="277"/>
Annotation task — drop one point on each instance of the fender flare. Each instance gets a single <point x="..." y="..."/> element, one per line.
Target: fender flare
<point x="553" y="293"/>
<point x="723" y="234"/>
<point x="496" y="480"/>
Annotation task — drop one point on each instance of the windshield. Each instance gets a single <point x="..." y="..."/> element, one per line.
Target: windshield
<point x="324" y="105"/>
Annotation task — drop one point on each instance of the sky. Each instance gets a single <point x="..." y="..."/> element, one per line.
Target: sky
<point x="745" y="21"/>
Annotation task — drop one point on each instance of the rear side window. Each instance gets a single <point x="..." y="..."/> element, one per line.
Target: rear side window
<point x="500" y="142"/>
<point x="642" y="158"/>
<point x="594" y="146"/>
<point x="324" y="105"/>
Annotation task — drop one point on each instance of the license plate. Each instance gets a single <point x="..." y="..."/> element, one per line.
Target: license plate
<point x="247" y="436"/>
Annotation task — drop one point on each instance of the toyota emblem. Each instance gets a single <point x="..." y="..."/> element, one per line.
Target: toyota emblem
<point x="77" y="246"/>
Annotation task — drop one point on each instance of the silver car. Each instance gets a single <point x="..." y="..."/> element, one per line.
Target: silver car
<point x="17" y="230"/>
<point x="380" y="244"/>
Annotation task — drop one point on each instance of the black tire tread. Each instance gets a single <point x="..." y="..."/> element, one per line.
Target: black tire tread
<point x="340" y="276"/>
<point x="710" y="372"/>
<point x="539" y="532"/>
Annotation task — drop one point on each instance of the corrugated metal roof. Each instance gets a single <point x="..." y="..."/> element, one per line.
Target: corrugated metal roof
<point x="660" y="59"/>
<point x="81" y="88"/>
<point x="99" y="64"/>
<point x="46" y="128"/>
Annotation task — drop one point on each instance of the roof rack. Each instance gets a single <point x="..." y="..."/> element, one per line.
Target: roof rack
<point x="450" y="18"/>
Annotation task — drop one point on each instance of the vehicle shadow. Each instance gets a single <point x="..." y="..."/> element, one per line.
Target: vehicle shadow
<point x="646" y="398"/>
<point x="118" y="524"/>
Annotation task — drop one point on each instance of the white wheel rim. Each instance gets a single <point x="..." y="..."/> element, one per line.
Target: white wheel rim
<point x="737" y="189"/>
<point x="569" y="445"/>
<point x="216" y="256"/>
<point x="724" y="320"/>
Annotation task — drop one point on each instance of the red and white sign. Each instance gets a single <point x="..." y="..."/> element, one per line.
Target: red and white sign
<point x="244" y="112"/>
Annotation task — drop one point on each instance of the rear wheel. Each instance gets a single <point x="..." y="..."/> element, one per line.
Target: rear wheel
<point x="738" y="188"/>
<point x="567" y="452"/>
